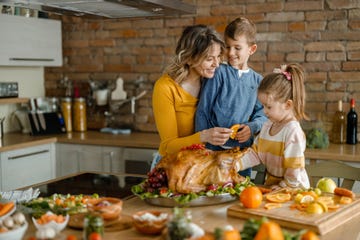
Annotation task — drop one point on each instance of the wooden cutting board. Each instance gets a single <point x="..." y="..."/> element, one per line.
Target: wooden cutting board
<point x="295" y="219"/>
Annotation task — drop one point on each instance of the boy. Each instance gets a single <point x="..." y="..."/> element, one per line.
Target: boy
<point x="230" y="97"/>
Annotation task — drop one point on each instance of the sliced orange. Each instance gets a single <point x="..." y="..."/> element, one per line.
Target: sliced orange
<point x="333" y="206"/>
<point x="278" y="197"/>
<point x="345" y="200"/>
<point x="234" y="129"/>
<point x="271" y="205"/>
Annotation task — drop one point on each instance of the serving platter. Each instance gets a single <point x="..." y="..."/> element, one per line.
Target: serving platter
<point x="200" y="201"/>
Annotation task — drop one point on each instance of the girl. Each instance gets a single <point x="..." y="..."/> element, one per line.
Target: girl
<point x="281" y="142"/>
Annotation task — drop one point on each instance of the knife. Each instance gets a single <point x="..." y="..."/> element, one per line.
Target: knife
<point x="33" y="115"/>
<point x="42" y="120"/>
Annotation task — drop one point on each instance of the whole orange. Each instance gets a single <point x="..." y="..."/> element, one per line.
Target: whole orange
<point x="251" y="197"/>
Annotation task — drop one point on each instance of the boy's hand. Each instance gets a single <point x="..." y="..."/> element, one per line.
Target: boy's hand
<point x="244" y="133"/>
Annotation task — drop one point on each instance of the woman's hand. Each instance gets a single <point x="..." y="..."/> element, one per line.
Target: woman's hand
<point x="215" y="136"/>
<point x="244" y="133"/>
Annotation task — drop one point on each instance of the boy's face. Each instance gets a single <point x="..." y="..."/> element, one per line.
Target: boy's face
<point x="238" y="51"/>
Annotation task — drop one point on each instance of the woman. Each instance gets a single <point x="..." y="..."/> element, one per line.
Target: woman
<point x="175" y="95"/>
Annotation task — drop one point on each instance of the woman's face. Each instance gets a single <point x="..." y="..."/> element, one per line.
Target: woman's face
<point x="207" y="67"/>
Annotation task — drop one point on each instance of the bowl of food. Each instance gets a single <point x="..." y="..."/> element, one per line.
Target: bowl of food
<point x="51" y="220"/>
<point x="13" y="227"/>
<point x="108" y="208"/>
<point x="150" y="222"/>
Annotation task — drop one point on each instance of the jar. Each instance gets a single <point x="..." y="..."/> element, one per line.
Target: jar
<point x="67" y="112"/>
<point x="79" y="114"/>
<point x="93" y="224"/>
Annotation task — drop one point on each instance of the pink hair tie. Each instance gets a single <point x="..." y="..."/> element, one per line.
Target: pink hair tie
<point x="283" y="72"/>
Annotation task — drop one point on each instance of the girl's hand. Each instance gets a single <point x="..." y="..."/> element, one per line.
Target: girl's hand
<point x="215" y="136"/>
<point x="244" y="133"/>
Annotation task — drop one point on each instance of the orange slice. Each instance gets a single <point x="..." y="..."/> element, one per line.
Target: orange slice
<point x="271" y="205"/>
<point x="234" y="129"/>
<point x="345" y="200"/>
<point x="278" y="197"/>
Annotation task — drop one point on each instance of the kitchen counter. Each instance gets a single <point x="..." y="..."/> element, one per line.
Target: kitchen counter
<point x="12" y="141"/>
<point x="207" y="217"/>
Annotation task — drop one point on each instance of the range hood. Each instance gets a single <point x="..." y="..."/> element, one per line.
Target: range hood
<point x="107" y="8"/>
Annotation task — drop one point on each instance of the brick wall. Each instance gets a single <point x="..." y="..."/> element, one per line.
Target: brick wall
<point x="322" y="35"/>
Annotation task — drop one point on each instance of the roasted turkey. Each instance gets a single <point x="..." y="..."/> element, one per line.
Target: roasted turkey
<point x="193" y="170"/>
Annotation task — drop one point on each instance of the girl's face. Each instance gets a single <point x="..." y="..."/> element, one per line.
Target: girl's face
<point x="238" y="51"/>
<point x="207" y="67"/>
<point x="276" y="111"/>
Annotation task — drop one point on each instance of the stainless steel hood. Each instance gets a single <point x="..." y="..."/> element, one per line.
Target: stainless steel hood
<point x="107" y="8"/>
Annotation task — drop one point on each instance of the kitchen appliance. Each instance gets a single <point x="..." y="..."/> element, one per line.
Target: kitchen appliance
<point x="9" y="89"/>
<point x="108" y="8"/>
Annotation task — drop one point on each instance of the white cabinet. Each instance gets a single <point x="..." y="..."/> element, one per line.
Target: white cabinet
<point x="73" y="158"/>
<point x="27" y="166"/>
<point x="30" y="41"/>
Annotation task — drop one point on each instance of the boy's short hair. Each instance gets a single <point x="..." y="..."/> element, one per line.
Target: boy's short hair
<point x="241" y="26"/>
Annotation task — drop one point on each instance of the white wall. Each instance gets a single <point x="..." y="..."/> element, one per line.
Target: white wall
<point x="31" y="84"/>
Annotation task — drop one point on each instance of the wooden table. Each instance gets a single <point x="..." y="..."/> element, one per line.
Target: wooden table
<point x="207" y="217"/>
<point x="342" y="152"/>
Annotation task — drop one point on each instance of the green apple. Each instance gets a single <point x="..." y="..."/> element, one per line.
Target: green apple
<point x="326" y="185"/>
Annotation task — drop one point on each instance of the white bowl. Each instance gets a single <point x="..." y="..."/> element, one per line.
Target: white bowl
<point x="58" y="227"/>
<point x="15" y="234"/>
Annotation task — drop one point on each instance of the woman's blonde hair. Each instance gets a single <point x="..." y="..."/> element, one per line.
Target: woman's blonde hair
<point x="285" y="84"/>
<point x="192" y="47"/>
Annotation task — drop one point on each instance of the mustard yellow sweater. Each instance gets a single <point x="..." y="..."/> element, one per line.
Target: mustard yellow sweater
<point x="174" y="112"/>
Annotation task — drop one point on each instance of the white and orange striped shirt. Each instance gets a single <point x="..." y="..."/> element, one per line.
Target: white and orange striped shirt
<point x="282" y="154"/>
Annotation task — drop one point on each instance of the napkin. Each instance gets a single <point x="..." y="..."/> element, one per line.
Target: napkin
<point x="20" y="196"/>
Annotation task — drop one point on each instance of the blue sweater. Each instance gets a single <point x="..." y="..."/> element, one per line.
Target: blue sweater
<point x="227" y="99"/>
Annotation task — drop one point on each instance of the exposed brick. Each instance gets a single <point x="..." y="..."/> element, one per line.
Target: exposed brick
<point x="325" y="15"/>
<point x="285" y="17"/>
<point x="354" y="13"/>
<point x="355" y="55"/>
<point x="102" y="43"/>
<point x="224" y="10"/>
<point x="336" y="56"/>
<point x="148" y="23"/>
<point x="315" y="87"/>
<point x="316" y="77"/>
<point x="337" y="25"/>
<point x="181" y="22"/>
<point x="211" y="20"/>
<point x="316" y="25"/>
<point x="336" y="86"/>
<point x="344" y="76"/>
<point x="278" y="27"/>
<point x="304" y="5"/>
<point x="354" y="24"/>
<point x="285" y="47"/>
<point x="324" y="46"/>
<point x="344" y="36"/>
<point x="278" y="57"/>
<point x="295" y="57"/>
<point x="351" y="66"/>
<point x="269" y="6"/>
<point x="315" y="57"/>
<point x="348" y="4"/>
<point x="297" y="27"/>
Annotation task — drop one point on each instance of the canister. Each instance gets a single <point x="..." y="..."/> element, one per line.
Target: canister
<point x="79" y="114"/>
<point x="66" y="110"/>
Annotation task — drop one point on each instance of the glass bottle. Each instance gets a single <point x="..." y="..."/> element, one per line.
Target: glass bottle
<point x="93" y="224"/>
<point x="351" y="127"/>
<point x="66" y="109"/>
<point x="339" y="125"/>
<point x="79" y="114"/>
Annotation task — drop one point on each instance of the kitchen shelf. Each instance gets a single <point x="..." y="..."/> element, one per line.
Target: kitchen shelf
<point x="13" y="100"/>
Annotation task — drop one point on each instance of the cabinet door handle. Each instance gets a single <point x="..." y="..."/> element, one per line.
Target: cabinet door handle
<point x="27" y="154"/>
<point x="33" y="59"/>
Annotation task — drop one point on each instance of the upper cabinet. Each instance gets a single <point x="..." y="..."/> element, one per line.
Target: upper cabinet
<point x="30" y="41"/>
